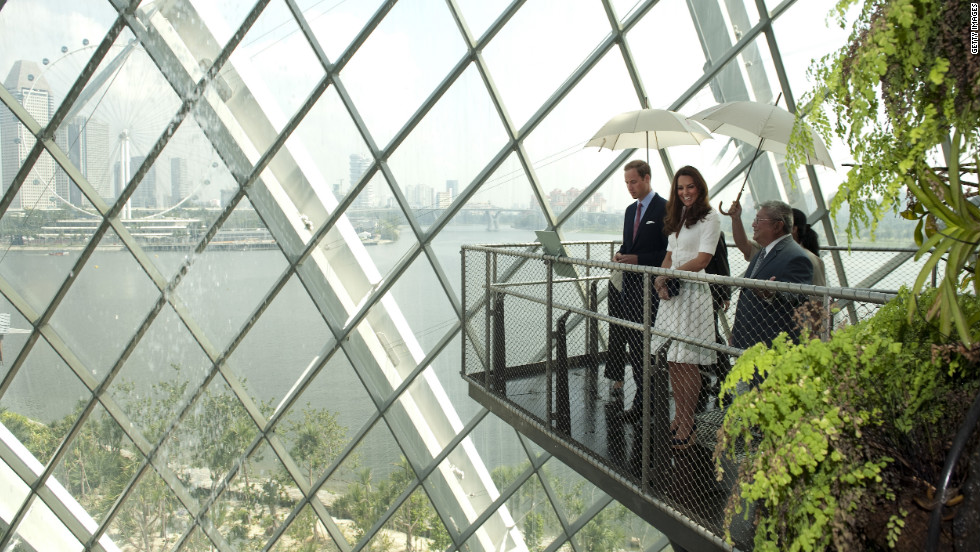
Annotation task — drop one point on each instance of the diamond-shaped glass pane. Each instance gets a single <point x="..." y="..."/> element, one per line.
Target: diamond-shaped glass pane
<point x="277" y="64"/>
<point x="43" y="401"/>
<point x="228" y="281"/>
<point x="366" y="483"/>
<point x="160" y="376"/>
<point x="479" y="14"/>
<point x="336" y="24"/>
<point x="99" y="463"/>
<point x="211" y="438"/>
<point x="573" y="32"/>
<point x="282" y="345"/>
<point x="107" y="302"/>
<point x="403" y="37"/>
<point x="445" y="133"/>
<point x="42" y="530"/>
<point x="133" y="528"/>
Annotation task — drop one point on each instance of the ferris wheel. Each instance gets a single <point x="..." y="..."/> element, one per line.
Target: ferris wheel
<point x="122" y="113"/>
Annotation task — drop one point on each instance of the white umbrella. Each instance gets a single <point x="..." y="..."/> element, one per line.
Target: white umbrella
<point x="767" y="125"/>
<point x="648" y="128"/>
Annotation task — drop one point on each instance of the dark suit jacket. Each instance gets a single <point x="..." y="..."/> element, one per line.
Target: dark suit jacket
<point x="761" y="320"/>
<point x="650" y="247"/>
<point x="651" y="242"/>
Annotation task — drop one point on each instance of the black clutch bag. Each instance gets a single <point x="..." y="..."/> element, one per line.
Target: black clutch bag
<point x="673" y="286"/>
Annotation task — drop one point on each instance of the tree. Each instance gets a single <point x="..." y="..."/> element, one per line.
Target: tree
<point x="905" y="95"/>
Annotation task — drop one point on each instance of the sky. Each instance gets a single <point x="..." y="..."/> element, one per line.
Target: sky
<point x="404" y="59"/>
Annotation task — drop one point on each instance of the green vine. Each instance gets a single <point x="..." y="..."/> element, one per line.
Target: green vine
<point x="839" y="427"/>
<point x="904" y="96"/>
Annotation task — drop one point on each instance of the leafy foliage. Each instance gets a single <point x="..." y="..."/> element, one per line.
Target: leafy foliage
<point x="905" y="96"/>
<point x="837" y="427"/>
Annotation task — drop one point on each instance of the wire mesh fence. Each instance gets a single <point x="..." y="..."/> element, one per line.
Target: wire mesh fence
<point x="625" y="367"/>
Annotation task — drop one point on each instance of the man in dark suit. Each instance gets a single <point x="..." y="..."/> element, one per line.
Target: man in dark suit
<point x="644" y="243"/>
<point x="762" y="315"/>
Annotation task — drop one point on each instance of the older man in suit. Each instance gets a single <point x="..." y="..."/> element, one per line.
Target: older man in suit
<point x="644" y="243"/>
<point x="762" y="315"/>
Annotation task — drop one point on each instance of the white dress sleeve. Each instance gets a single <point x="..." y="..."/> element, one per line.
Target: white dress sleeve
<point x="710" y="229"/>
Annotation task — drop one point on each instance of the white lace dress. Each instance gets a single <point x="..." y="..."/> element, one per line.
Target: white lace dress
<point x="690" y="313"/>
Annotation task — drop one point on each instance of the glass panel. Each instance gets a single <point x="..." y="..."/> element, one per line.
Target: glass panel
<point x="160" y="376"/>
<point x="42" y="413"/>
<point x="504" y="210"/>
<point x="16" y="491"/>
<point x="42" y="530"/>
<point x="314" y="438"/>
<point x="335" y="24"/>
<point x="221" y="18"/>
<point x="429" y="315"/>
<point x="573" y="32"/>
<point x="270" y="492"/>
<point x="100" y="462"/>
<point x="381" y="226"/>
<point x="575" y="494"/>
<point x="500" y="449"/>
<point x="562" y="165"/>
<point x="667" y="27"/>
<point x="322" y="160"/>
<point x="533" y="517"/>
<point x="415" y="525"/>
<point x="610" y="528"/>
<point x="479" y="14"/>
<point x="286" y="341"/>
<point x="337" y="391"/>
<point x="57" y="57"/>
<point x="306" y="528"/>
<point x="211" y="438"/>
<point x="624" y="8"/>
<point x="446" y="368"/>
<point x="151" y="518"/>
<point x="364" y="483"/>
<point x="12" y="342"/>
<point x="413" y="31"/>
<point x="130" y="97"/>
<point x="424" y="409"/>
<point x="276" y="64"/>
<point x="196" y="186"/>
<point x="105" y="305"/>
<point x="228" y="280"/>
<point x="447" y="135"/>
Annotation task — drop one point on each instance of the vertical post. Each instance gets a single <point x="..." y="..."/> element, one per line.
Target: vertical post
<point x="498" y="381"/>
<point x="549" y="339"/>
<point x="563" y="410"/>
<point x="462" y="288"/>
<point x="828" y="317"/>
<point x="592" y="345"/>
<point x="647" y="373"/>
<point x="487" y="343"/>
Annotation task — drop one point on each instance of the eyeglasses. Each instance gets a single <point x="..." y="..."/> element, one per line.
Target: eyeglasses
<point x="757" y="220"/>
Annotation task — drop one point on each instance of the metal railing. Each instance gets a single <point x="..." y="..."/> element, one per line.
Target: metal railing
<point x="542" y="331"/>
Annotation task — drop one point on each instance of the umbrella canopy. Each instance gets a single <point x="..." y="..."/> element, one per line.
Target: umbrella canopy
<point x="648" y="128"/>
<point x="766" y="125"/>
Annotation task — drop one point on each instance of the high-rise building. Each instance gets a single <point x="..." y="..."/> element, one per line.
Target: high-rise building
<point x="358" y="166"/>
<point x="452" y="186"/>
<point x="88" y="149"/>
<point x="26" y="84"/>
<point x="180" y="184"/>
<point x="145" y="196"/>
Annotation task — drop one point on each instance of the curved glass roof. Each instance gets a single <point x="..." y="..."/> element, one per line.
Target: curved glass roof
<point x="230" y="253"/>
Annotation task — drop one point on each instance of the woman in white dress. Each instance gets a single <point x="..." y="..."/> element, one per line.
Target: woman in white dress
<point x="692" y="229"/>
